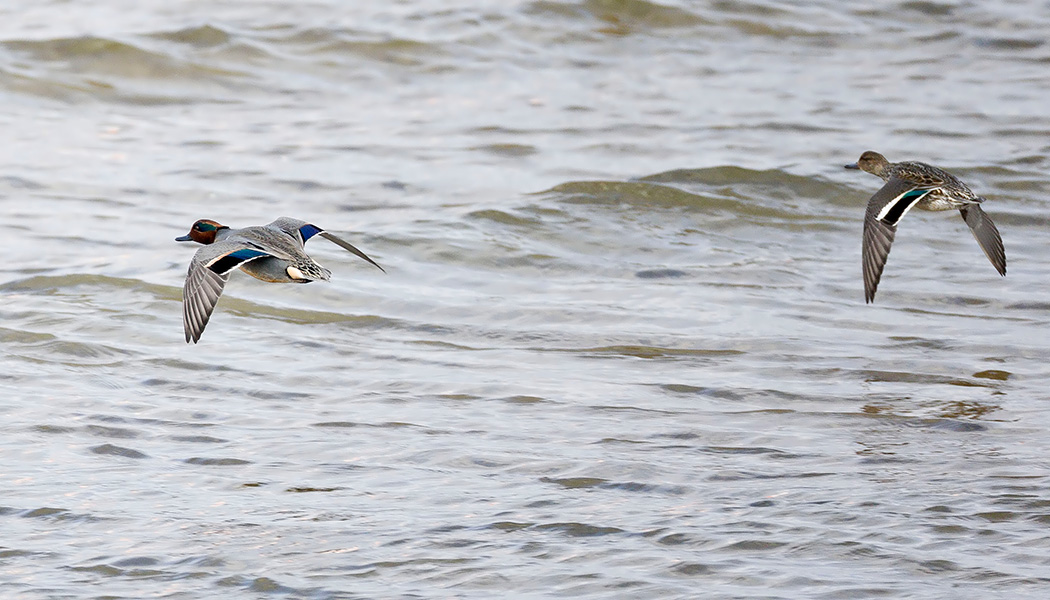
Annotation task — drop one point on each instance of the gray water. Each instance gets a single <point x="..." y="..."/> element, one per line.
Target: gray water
<point x="621" y="349"/>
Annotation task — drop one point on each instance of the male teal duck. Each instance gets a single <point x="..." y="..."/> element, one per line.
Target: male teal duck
<point x="915" y="184"/>
<point x="272" y="253"/>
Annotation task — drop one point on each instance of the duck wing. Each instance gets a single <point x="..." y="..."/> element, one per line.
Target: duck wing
<point x="885" y="209"/>
<point x="304" y="231"/>
<point x="986" y="234"/>
<point x="208" y="273"/>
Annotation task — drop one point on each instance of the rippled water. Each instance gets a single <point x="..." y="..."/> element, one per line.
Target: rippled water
<point x="621" y="349"/>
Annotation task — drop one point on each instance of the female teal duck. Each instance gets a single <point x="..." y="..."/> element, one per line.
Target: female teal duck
<point x="911" y="184"/>
<point x="271" y="253"/>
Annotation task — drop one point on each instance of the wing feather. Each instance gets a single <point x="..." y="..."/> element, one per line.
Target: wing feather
<point x="207" y="275"/>
<point x="350" y="248"/>
<point x="986" y="234"/>
<point x="885" y="209"/>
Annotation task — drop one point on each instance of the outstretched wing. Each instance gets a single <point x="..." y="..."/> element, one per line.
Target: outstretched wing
<point x="305" y="231"/>
<point x="346" y="245"/>
<point x="885" y="209"/>
<point x="986" y="234"/>
<point x="209" y="270"/>
<point x="878" y="237"/>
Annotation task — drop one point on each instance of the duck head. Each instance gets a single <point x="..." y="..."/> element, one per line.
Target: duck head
<point x="202" y="232"/>
<point x="871" y="162"/>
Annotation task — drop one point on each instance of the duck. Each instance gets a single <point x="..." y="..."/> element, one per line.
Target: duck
<point x="912" y="184"/>
<point x="273" y="253"/>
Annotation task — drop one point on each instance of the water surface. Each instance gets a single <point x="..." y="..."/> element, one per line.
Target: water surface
<point x="621" y="348"/>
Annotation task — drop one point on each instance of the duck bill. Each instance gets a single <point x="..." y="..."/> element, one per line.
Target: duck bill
<point x="184" y="238"/>
<point x="853" y="166"/>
